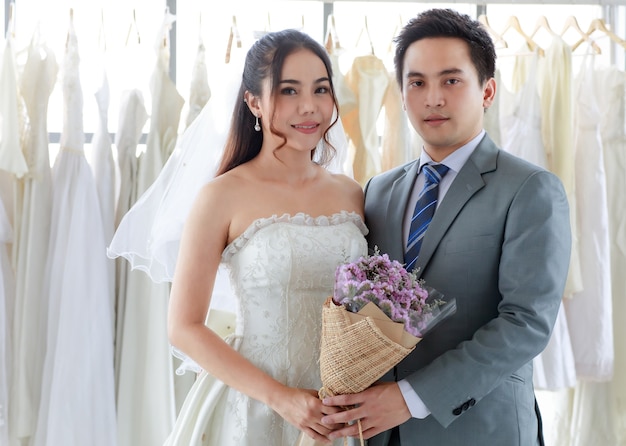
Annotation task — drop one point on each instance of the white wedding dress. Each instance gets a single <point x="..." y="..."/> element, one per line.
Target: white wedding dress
<point x="282" y="269"/>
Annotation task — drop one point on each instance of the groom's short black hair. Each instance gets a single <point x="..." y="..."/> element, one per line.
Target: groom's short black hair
<point x="448" y="23"/>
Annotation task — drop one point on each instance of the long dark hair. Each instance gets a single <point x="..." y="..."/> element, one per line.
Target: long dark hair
<point x="264" y="60"/>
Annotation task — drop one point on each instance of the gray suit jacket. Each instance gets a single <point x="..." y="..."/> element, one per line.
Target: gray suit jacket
<point x="500" y="245"/>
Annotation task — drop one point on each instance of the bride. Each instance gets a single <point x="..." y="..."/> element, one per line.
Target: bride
<point x="280" y="223"/>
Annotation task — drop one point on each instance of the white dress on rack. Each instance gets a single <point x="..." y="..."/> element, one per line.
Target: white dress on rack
<point x="77" y="403"/>
<point x="347" y="102"/>
<point x="345" y="96"/>
<point x="591" y="309"/>
<point x="610" y="86"/>
<point x="7" y="296"/>
<point x="35" y="195"/>
<point x="103" y="167"/>
<point x="132" y="118"/>
<point x="11" y="158"/>
<point x="145" y="397"/>
<point x="199" y="91"/>
<point x="283" y="269"/>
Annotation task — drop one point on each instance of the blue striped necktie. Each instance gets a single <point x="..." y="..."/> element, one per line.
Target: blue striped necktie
<point x="424" y="211"/>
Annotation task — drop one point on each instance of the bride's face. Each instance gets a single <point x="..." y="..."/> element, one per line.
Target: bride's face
<point x="303" y="105"/>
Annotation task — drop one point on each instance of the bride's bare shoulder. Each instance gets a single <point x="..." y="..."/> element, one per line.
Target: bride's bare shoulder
<point x="224" y="189"/>
<point x="348" y="184"/>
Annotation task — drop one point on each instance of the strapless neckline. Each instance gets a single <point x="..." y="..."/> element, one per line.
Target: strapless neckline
<point x="300" y="218"/>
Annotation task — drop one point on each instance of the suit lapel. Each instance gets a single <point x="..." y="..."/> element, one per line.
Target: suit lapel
<point x="467" y="182"/>
<point x="399" y="196"/>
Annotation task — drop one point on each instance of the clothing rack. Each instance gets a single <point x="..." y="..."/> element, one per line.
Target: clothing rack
<point x="610" y="12"/>
<point x="610" y="7"/>
<point x="609" y="21"/>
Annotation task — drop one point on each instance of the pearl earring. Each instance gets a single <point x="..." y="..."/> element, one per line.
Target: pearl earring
<point x="257" y="127"/>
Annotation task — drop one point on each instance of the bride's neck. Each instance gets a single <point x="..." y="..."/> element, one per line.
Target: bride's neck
<point x="287" y="166"/>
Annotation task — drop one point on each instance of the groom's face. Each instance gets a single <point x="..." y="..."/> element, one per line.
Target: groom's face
<point x="442" y="95"/>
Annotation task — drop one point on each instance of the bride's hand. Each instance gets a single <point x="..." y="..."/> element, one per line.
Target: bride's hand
<point x="304" y="409"/>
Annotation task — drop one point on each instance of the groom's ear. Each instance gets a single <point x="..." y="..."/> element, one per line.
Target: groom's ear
<point x="489" y="93"/>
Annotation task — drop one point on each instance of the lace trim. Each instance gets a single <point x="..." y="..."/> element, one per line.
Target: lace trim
<point x="297" y="219"/>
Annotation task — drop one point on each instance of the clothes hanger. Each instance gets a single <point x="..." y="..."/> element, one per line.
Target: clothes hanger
<point x="600" y="25"/>
<point x="398" y="26"/>
<point x="102" y="41"/>
<point x="10" y="32"/>
<point x="71" y="27"/>
<point x="131" y="27"/>
<point x="166" y="32"/>
<point x="542" y="23"/>
<point x="331" y="42"/>
<point x="572" y="23"/>
<point x="233" y="34"/>
<point x="200" y="41"/>
<point x="365" y="30"/>
<point x="513" y="23"/>
<point x="498" y="40"/>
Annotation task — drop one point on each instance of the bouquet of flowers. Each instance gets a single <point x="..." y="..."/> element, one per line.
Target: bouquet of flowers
<point x="398" y="293"/>
<point x="376" y="317"/>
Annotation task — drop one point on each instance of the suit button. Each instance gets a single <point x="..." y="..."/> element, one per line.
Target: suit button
<point x="472" y="402"/>
<point x="457" y="411"/>
<point x="466" y="406"/>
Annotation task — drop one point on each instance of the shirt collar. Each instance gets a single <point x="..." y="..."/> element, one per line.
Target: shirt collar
<point x="456" y="159"/>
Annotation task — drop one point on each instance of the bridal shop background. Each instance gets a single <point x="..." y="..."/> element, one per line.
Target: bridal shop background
<point x="93" y="96"/>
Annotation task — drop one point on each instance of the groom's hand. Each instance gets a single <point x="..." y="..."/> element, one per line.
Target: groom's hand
<point x="380" y="408"/>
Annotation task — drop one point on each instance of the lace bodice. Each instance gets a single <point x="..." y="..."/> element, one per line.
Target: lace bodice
<point x="282" y="269"/>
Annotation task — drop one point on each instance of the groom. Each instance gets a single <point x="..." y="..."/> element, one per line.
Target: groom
<point x="499" y="243"/>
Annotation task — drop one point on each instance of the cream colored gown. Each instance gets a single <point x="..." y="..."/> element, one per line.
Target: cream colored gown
<point x="368" y="78"/>
<point x="557" y="112"/>
<point x="34" y="192"/>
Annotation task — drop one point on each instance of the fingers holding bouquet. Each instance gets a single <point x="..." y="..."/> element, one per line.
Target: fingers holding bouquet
<point x="378" y="408"/>
<point x="304" y="409"/>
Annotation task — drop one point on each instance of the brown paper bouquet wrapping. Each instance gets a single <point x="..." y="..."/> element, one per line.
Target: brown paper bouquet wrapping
<point x="356" y="350"/>
<point x="359" y="348"/>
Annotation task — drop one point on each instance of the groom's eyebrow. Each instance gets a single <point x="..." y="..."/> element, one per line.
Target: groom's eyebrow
<point x="446" y="72"/>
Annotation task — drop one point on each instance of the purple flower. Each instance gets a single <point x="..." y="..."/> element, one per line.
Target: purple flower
<point x="388" y="285"/>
